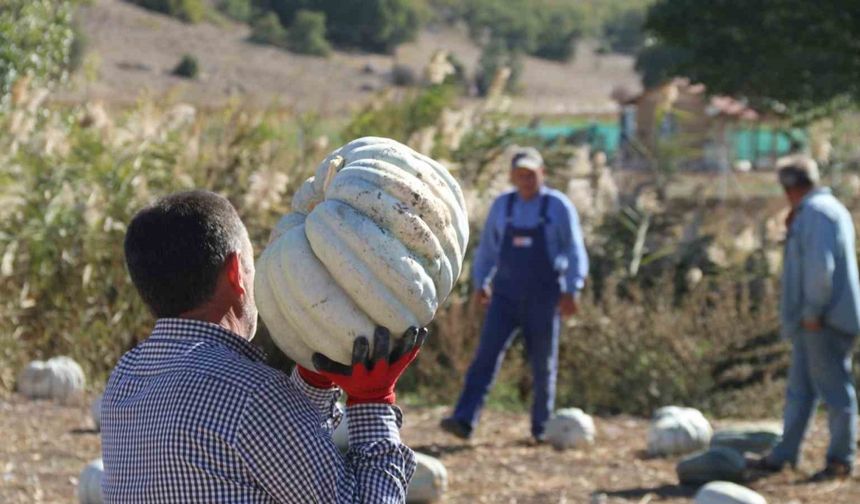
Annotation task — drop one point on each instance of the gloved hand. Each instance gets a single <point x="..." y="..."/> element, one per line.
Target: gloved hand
<point x="372" y="380"/>
<point x="315" y="380"/>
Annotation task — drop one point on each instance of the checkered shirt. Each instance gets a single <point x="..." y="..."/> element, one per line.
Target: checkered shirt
<point x="192" y="414"/>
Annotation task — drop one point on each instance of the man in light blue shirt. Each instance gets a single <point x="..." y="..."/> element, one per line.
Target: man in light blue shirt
<point x="820" y="315"/>
<point x="530" y="265"/>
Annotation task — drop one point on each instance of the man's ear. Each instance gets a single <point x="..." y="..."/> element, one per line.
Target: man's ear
<point x="235" y="275"/>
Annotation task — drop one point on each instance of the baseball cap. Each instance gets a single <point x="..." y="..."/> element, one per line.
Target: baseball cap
<point x="527" y="157"/>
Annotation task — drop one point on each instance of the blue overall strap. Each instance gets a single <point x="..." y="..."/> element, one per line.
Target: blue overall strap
<point x="509" y="207"/>
<point x="544" y="204"/>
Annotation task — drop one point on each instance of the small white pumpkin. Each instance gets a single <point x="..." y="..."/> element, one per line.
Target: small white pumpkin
<point x="376" y="237"/>
<point x="676" y="430"/>
<point x="724" y="492"/>
<point x="569" y="428"/>
<point x="90" y="483"/>
<point x="96" y="411"/>
<point x="429" y="482"/>
<point x="59" y="378"/>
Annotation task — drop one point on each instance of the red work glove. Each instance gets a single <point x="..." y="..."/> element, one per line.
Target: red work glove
<point x="372" y="380"/>
<point x="315" y="380"/>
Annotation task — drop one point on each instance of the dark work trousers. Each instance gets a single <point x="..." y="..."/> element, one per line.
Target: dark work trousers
<point x="525" y="295"/>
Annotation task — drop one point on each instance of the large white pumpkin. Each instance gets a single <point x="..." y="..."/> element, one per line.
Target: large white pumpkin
<point x="90" y="483"/>
<point x="569" y="428"/>
<point x="429" y="482"/>
<point x="376" y="237"/>
<point x="724" y="492"/>
<point x="59" y="378"/>
<point x="675" y="430"/>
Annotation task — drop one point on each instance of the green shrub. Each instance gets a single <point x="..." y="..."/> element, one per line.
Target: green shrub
<point x="240" y="10"/>
<point x="267" y="30"/>
<point x="307" y="34"/>
<point x="373" y="25"/>
<point x="494" y="56"/>
<point x="623" y="32"/>
<point x="190" y="11"/>
<point x="187" y="67"/>
<point x="403" y="75"/>
<point x="399" y="120"/>
<point x="35" y="40"/>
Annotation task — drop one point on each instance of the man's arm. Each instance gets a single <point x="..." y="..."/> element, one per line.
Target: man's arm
<point x="322" y="394"/>
<point x="294" y="459"/>
<point x="488" y="248"/>
<point x="818" y="262"/>
<point x="572" y="250"/>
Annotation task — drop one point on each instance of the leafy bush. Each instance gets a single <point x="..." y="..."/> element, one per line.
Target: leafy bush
<point x="187" y="67"/>
<point x="240" y="10"/>
<point x="190" y="11"/>
<point x="403" y="75"/>
<point x="35" y="40"/>
<point x="399" y="120"/>
<point x="267" y="30"/>
<point x="494" y="56"/>
<point x="624" y="31"/>
<point x="374" y="25"/>
<point x="307" y="34"/>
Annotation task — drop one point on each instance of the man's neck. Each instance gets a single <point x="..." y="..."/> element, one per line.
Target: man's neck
<point x="226" y="319"/>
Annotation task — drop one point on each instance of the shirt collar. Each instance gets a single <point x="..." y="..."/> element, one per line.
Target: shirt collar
<point x="814" y="192"/>
<point x="200" y="330"/>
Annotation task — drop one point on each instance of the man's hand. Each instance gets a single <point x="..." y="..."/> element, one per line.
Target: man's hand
<point x="567" y="305"/>
<point x="482" y="296"/>
<point x="371" y="379"/>
<point x="812" y="325"/>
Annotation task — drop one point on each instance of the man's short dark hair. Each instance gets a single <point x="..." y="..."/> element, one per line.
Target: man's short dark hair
<point x="176" y="248"/>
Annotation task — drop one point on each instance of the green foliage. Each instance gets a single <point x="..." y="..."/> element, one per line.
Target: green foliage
<point x="399" y="120"/>
<point x="796" y="53"/>
<point x="545" y="28"/>
<point x="658" y="63"/>
<point x="307" y="34"/>
<point x="403" y="75"/>
<point x="187" y="67"/>
<point x="373" y="25"/>
<point x="190" y="11"/>
<point x="240" y="10"/>
<point x="624" y="31"/>
<point x="36" y="37"/>
<point x="494" y="56"/>
<point x="267" y="30"/>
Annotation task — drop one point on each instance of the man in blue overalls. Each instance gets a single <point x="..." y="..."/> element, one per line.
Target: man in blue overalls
<point x="530" y="265"/>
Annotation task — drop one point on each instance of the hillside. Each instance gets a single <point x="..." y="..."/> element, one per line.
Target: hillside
<point x="134" y="51"/>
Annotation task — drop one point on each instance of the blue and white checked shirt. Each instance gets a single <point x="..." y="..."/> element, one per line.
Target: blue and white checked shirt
<point x="192" y="414"/>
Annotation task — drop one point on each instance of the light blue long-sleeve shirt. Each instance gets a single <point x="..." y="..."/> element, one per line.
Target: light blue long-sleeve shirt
<point x="564" y="240"/>
<point x="820" y="279"/>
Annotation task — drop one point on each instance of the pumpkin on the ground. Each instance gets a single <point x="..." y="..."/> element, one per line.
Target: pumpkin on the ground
<point x="59" y="378"/>
<point x="375" y="238"/>
<point x="676" y="430"/>
<point x="724" y="492"/>
<point x="569" y="428"/>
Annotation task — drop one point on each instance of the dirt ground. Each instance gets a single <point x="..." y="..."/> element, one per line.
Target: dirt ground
<point x="45" y="446"/>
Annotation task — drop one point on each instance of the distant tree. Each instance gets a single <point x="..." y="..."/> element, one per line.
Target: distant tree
<point x="267" y="30"/>
<point x="240" y="10"/>
<point x="190" y="11"/>
<point x="373" y="25"/>
<point x="800" y="54"/>
<point x="657" y="63"/>
<point x="624" y="31"/>
<point x="307" y="34"/>
<point x="35" y="40"/>
<point x="188" y="67"/>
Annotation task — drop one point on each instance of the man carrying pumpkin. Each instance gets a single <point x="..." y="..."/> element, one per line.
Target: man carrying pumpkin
<point x="529" y="268"/>
<point x="192" y="414"/>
